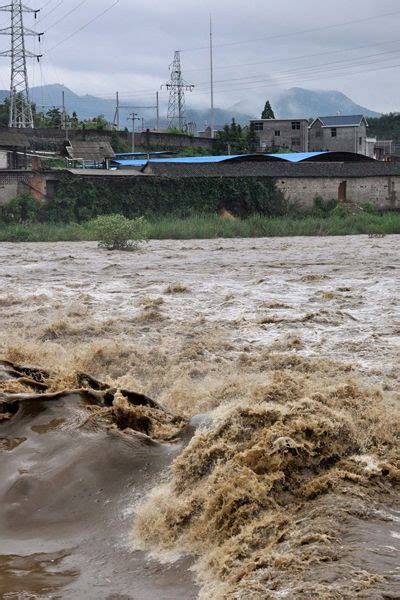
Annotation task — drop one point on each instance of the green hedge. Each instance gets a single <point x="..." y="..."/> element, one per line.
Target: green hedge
<point x="79" y="200"/>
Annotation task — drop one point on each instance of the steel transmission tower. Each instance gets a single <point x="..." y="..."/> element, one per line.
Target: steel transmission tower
<point x="177" y="87"/>
<point x="20" y="106"/>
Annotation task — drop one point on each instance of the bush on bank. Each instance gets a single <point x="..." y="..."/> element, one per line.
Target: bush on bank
<point x="116" y="232"/>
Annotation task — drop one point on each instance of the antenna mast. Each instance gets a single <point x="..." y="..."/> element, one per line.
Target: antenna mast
<point x="20" y="105"/>
<point x="177" y="87"/>
<point x="212" y="81"/>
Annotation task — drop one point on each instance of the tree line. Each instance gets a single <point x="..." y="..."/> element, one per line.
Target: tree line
<point x="54" y="118"/>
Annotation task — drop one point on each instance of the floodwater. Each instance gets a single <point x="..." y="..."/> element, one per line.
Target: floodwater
<point x="267" y="465"/>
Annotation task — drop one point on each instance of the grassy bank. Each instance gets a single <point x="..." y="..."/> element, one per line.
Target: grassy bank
<point x="209" y="226"/>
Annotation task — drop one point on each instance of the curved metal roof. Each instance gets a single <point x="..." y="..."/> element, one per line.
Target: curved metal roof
<point x="292" y="157"/>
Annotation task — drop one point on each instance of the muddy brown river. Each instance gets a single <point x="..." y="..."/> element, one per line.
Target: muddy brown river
<point x="243" y="442"/>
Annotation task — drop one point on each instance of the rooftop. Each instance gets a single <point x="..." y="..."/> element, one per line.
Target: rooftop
<point x="290" y="157"/>
<point x="342" y="120"/>
<point x="94" y="151"/>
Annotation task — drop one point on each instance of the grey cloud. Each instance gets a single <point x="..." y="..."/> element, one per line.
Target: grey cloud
<point x="131" y="47"/>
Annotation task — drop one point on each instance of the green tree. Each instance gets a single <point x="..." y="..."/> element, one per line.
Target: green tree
<point x="74" y="121"/>
<point x="252" y="139"/>
<point x="267" y="113"/>
<point x="230" y="140"/>
<point x="4" y="112"/>
<point x="53" y="118"/>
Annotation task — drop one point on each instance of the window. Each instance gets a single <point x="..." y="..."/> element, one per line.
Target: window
<point x="295" y="141"/>
<point x="277" y="133"/>
<point x="360" y="141"/>
<point x="258" y="126"/>
<point x="318" y="134"/>
<point x="333" y="132"/>
<point x="296" y="124"/>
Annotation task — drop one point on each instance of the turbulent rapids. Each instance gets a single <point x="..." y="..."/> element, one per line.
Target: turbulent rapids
<point x="226" y="426"/>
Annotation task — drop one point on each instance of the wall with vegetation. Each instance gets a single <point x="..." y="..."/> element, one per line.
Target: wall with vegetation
<point x="80" y="199"/>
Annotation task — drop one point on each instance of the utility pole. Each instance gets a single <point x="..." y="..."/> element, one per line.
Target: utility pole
<point x="20" y="105"/>
<point x="64" y="116"/>
<point x="156" y="108"/>
<point x="177" y="87"/>
<point x="133" y="117"/>
<point x="157" y="113"/>
<point x="212" y="80"/>
<point x="116" y="114"/>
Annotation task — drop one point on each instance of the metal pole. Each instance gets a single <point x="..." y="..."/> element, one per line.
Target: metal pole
<point x="116" y="115"/>
<point x="133" y="116"/>
<point x="158" y="112"/>
<point x="212" y="80"/>
<point x="64" y="116"/>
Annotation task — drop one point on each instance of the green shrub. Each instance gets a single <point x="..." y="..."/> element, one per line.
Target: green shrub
<point x="18" y="233"/>
<point x="369" y="208"/>
<point x="23" y="209"/>
<point x="323" y="208"/>
<point x="116" y="232"/>
<point x="340" y="210"/>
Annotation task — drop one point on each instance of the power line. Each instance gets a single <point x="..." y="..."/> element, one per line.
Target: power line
<point x="52" y="10"/>
<point x="294" y="33"/>
<point x="66" y="15"/>
<point x="295" y="58"/>
<point x="299" y="81"/>
<point x="98" y="16"/>
<point x="47" y="3"/>
<point x="317" y="68"/>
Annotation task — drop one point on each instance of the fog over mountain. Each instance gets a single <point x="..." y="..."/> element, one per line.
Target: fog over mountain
<point x="291" y="103"/>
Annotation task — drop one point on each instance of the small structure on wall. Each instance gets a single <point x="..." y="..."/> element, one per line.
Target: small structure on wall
<point x="88" y="154"/>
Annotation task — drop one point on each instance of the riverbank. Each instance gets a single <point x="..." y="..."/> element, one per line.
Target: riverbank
<point x="214" y="226"/>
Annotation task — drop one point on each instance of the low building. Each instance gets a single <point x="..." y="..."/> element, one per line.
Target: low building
<point x="353" y="179"/>
<point x="347" y="133"/>
<point x="284" y="134"/>
<point x="89" y="153"/>
<point x="13" y="149"/>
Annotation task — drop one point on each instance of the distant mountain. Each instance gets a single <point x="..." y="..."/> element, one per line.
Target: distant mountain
<point x="295" y="102"/>
<point x="298" y="102"/>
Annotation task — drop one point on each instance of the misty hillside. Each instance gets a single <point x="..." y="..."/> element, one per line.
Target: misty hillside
<point x="295" y="102"/>
<point x="298" y="102"/>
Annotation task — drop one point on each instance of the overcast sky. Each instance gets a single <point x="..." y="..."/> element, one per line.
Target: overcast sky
<point x="261" y="47"/>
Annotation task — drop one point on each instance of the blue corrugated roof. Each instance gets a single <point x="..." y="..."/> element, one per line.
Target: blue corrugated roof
<point x="341" y="120"/>
<point x="293" y="157"/>
<point x="198" y="159"/>
<point x="134" y="162"/>
<point x="296" y="157"/>
<point x="181" y="160"/>
<point x="290" y="157"/>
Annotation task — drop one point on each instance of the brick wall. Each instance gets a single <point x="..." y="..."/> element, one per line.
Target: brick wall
<point x="15" y="183"/>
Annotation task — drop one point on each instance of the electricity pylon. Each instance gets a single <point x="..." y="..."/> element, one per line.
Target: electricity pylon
<point x="177" y="87"/>
<point x="20" y="105"/>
